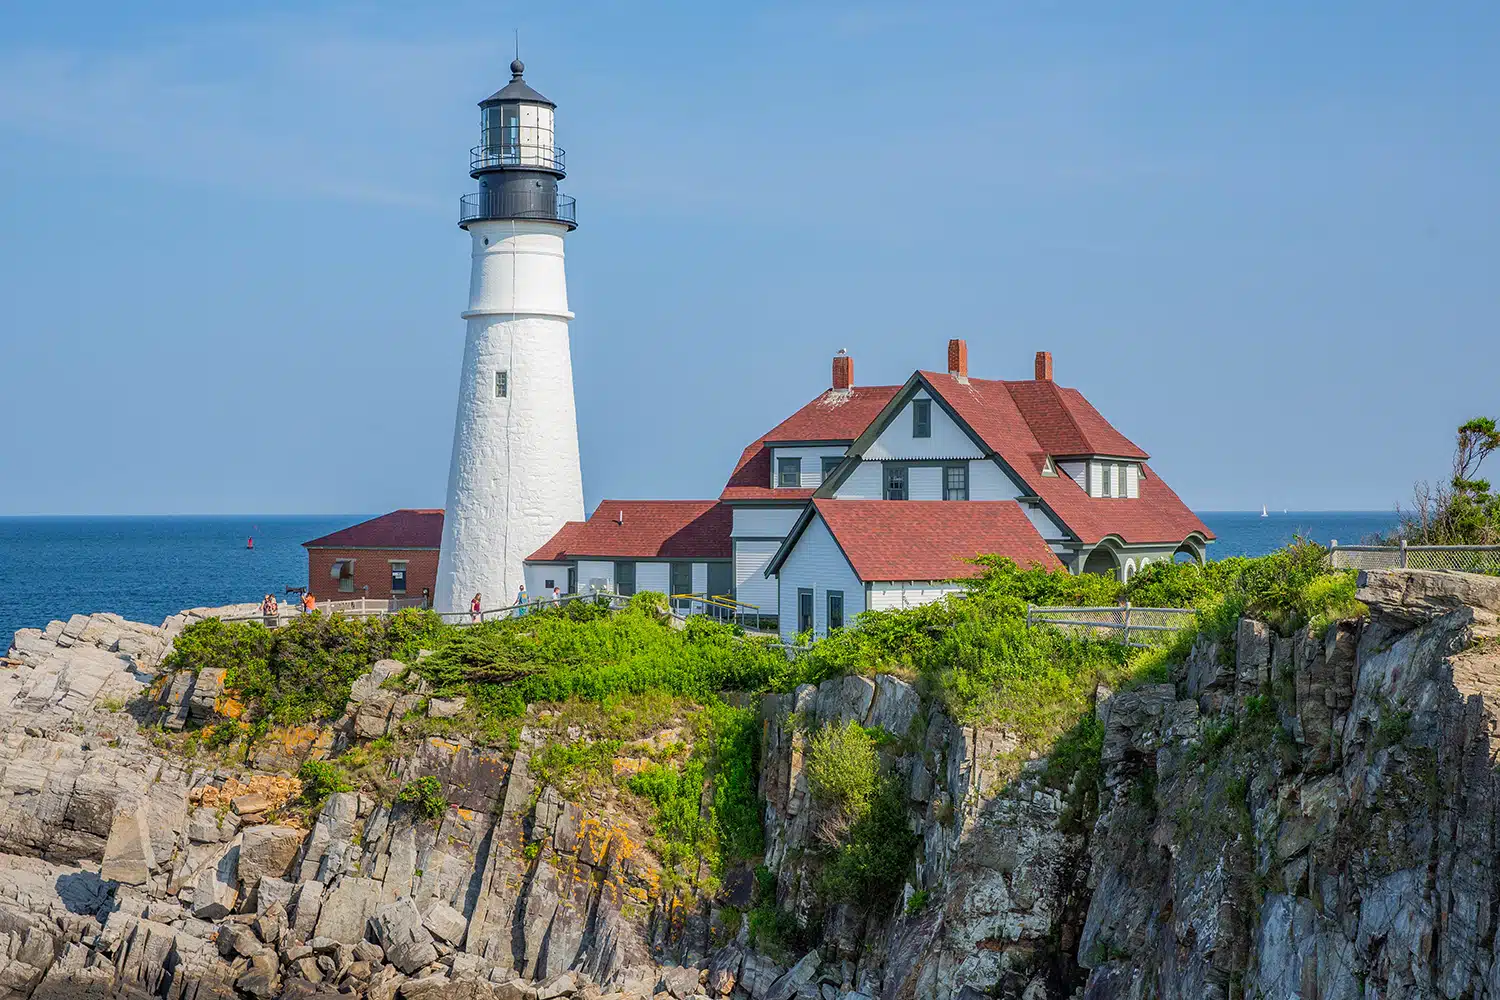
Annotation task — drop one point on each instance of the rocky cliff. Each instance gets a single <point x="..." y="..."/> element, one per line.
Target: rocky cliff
<point x="1306" y="815"/>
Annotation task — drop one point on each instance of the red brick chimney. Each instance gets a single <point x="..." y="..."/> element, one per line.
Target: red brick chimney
<point x="1044" y="366"/>
<point x="958" y="358"/>
<point x="843" y="370"/>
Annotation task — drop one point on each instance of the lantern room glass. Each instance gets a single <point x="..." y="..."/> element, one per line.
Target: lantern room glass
<point x="502" y="133"/>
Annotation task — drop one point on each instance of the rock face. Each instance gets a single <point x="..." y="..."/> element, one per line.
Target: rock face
<point x="1291" y="816"/>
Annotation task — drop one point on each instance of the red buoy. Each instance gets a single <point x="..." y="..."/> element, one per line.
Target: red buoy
<point x="250" y="543"/>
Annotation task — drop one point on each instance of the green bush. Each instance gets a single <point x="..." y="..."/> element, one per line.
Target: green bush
<point x="320" y="779"/>
<point x="871" y="865"/>
<point x="225" y="734"/>
<point x="425" y="796"/>
<point x="724" y="756"/>
<point x="842" y="769"/>
<point x="229" y="646"/>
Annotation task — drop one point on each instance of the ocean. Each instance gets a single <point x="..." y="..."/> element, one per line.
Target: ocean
<point x="146" y="568"/>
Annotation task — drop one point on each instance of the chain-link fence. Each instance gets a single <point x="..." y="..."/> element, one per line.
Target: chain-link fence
<point x="1123" y="623"/>
<point x="1460" y="558"/>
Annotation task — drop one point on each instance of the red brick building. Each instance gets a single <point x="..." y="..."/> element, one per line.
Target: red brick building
<point x="394" y="555"/>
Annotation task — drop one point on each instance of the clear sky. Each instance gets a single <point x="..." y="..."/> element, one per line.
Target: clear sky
<point x="1261" y="238"/>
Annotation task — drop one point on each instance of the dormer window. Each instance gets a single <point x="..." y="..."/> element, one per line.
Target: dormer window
<point x="789" y="473"/>
<point x="921" y="418"/>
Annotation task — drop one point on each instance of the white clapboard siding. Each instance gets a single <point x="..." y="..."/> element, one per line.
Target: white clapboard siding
<point x="655" y="576"/>
<point x="893" y="596"/>
<point x="1076" y="471"/>
<point x="1045" y="526"/>
<point x="864" y="483"/>
<point x="926" y="482"/>
<point x="537" y="575"/>
<point x="595" y="575"/>
<point x="987" y="481"/>
<point x="1133" y="480"/>
<point x="1096" y="478"/>
<point x="751" y="586"/>
<point x="817" y="563"/>
<point x="764" y="522"/>
<point x="948" y="440"/>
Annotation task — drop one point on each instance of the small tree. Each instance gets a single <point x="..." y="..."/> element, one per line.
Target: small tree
<point x="1464" y="510"/>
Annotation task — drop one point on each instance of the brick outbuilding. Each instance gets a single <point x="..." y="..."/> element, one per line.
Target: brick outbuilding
<point x="394" y="556"/>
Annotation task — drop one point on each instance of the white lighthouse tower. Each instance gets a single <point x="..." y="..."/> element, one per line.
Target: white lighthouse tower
<point x="514" y="476"/>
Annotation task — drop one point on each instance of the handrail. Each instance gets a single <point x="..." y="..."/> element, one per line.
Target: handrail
<point x="518" y="154"/>
<point x="502" y="204"/>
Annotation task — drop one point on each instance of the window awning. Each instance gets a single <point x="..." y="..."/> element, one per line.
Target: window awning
<point x="342" y="568"/>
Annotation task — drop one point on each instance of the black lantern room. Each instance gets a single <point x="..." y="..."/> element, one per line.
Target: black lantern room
<point x="517" y="163"/>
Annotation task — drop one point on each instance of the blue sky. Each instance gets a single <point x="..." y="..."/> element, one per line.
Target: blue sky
<point x="1261" y="240"/>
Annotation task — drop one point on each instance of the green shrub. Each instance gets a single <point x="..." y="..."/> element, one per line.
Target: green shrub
<point x="225" y="734"/>
<point x="871" y="865"/>
<point x="576" y="766"/>
<point x="229" y="646"/>
<point x="917" y="902"/>
<point x="425" y="796"/>
<point x="842" y="770"/>
<point x="320" y="779"/>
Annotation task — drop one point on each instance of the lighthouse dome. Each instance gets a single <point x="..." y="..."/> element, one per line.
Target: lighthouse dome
<point x="518" y="90"/>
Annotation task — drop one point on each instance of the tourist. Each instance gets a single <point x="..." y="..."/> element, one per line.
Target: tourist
<point x="270" y="611"/>
<point x="309" y="602"/>
<point x="520" y="599"/>
<point x="426" y="599"/>
<point x="557" y="595"/>
<point x="474" y="609"/>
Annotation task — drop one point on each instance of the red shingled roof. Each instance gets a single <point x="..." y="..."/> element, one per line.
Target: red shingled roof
<point x="931" y="539"/>
<point x="400" y="529"/>
<point x="1015" y="418"/>
<point x="644" y="529"/>
<point x="836" y="415"/>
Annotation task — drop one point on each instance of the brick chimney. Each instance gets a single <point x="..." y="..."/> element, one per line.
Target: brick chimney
<point x="958" y="358"/>
<point x="1044" y="366"/>
<point x="843" y="370"/>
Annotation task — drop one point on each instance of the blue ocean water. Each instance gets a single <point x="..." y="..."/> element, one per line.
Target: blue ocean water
<point x="1246" y="533"/>
<point x="147" y="568"/>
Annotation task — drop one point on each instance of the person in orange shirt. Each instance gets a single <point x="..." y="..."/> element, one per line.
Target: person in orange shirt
<point x="309" y="602"/>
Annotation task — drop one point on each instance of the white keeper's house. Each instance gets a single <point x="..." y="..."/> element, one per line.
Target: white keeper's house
<point x="873" y="497"/>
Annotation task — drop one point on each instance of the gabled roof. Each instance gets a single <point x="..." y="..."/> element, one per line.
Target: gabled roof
<point x="1066" y="424"/>
<point x="835" y="415"/>
<point x="400" y="529"/>
<point x="1002" y="416"/>
<point x="923" y="539"/>
<point x="644" y="529"/>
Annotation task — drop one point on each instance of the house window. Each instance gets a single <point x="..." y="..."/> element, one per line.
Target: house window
<point x="895" y="482"/>
<point x="804" y="610"/>
<point x="625" y="579"/>
<point x="921" y="418"/>
<point x="1108" y="489"/>
<point x="343" y="572"/>
<point x="956" y="482"/>
<point x="830" y="462"/>
<point x="835" y="609"/>
<point x="502" y="384"/>
<point x="547" y="585"/>
<point x="789" y="472"/>
<point x="398" y="577"/>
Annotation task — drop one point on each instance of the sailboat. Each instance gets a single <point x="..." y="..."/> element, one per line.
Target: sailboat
<point x="1263" y="511"/>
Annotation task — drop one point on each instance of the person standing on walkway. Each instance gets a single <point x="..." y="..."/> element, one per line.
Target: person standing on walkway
<point x="309" y="602"/>
<point x="557" y="595"/>
<point x="474" y="609"/>
<point x="520" y="599"/>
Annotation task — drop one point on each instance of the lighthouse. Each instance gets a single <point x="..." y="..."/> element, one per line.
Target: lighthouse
<point x="514" y="477"/>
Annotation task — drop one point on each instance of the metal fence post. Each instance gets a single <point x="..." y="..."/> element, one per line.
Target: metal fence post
<point x="1403" y="553"/>
<point x="1126" y="639"/>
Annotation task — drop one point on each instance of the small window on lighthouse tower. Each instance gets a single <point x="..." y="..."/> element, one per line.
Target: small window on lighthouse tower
<point x="502" y="384"/>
